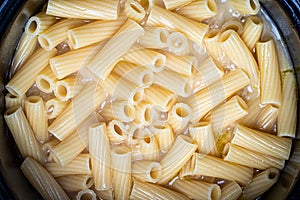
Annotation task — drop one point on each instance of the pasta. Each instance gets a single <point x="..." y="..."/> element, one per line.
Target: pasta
<point x="145" y="190"/>
<point x="288" y="112"/>
<point x="46" y="80"/>
<point x="267" y="119"/>
<point x="181" y="64"/>
<point x="89" y="9"/>
<point x="233" y="25"/>
<point x="231" y="191"/>
<point x="67" y="88"/>
<point x="149" y="147"/>
<point x="179" y="117"/>
<point x="269" y="72"/>
<point x="262" y="142"/>
<point x="213" y="47"/>
<point x="79" y="165"/>
<point x="86" y="194"/>
<point x="178" y="44"/>
<point x="197" y="189"/>
<point x="39" y="23"/>
<point x="110" y="53"/>
<point x="134" y="10"/>
<point x="37" y="118"/>
<point x="81" y="36"/>
<point x="48" y="146"/>
<point x="252" y="31"/>
<point x="42" y="180"/>
<point x="143" y="114"/>
<point x="121" y="171"/>
<point x="77" y="111"/>
<point x="181" y="151"/>
<point x="99" y="150"/>
<point x="242" y="156"/>
<point x="249" y="7"/>
<point x="26" y="76"/>
<point x="23" y="134"/>
<point x="146" y="171"/>
<point x="73" y="183"/>
<point x="116" y="131"/>
<point x="12" y="101"/>
<point x="172" y="4"/>
<point x="199" y="10"/>
<point x="55" y="107"/>
<point x="57" y="33"/>
<point x="174" y="22"/>
<point x="164" y="136"/>
<point x="154" y="38"/>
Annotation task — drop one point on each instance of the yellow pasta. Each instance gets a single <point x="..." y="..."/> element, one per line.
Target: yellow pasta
<point x="154" y="60"/>
<point x="110" y="54"/>
<point x="199" y="10"/>
<point x="262" y="142"/>
<point x="23" y="134"/>
<point x="13" y="101"/>
<point x="234" y="109"/>
<point x="89" y="9"/>
<point x="143" y="114"/>
<point x="77" y="111"/>
<point x="104" y="194"/>
<point x="269" y="73"/>
<point x="146" y="171"/>
<point x="99" y="149"/>
<point x="26" y="76"/>
<point x="134" y="10"/>
<point x="86" y="194"/>
<point x="197" y="189"/>
<point x="81" y="36"/>
<point x="145" y="190"/>
<point x="206" y="165"/>
<point x="67" y="88"/>
<point x="123" y="111"/>
<point x="178" y="44"/>
<point x="48" y="146"/>
<point x="267" y="119"/>
<point x="39" y="23"/>
<point x="70" y="62"/>
<point x="139" y="75"/>
<point x="231" y="191"/>
<point x="172" y="4"/>
<point x="149" y="147"/>
<point x="79" y="165"/>
<point x="164" y="135"/>
<point x="252" y="31"/>
<point x="203" y="135"/>
<point x="116" y="131"/>
<point x="121" y="171"/>
<point x="287" y="119"/>
<point x="46" y="80"/>
<point x="25" y="49"/>
<point x="248" y="7"/>
<point x="133" y="134"/>
<point x="206" y="99"/>
<point x="261" y="183"/>
<point x="206" y="73"/>
<point x="55" y="107"/>
<point x="154" y="38"/>
<point x="37" y="117"/>
<point x="43" y="182"/>
<point x="73" y="183"/>
<point x="174" y="82"/>
<point x="181" y="64"/>
<point x="233" y="45"/>
<point x="57" y="33"/>
<point x="193" y="30"/>
<point x="232" y="25"/>
<point x="242" y="156"/>
<point x="212" y="45"/>
<point x="181" y="151"/>
<point x="179" y="117"/>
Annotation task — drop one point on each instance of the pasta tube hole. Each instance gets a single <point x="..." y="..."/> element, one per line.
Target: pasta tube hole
<point x="12" y="110"/>
<point x="211" y="4"/>
<point x="33" y="99"/>
<point x="163" y="35"/>
<point x="44" y="42"/>
<point x="50" y="109"/>
<point x="45" y="84"/>
<point x="242" y="103"/>
<point x="254" y="4"/>
<point x="159" y="62"/>
<point x="118" y="130"/>
<point x="128" y="111"/>
<point x="215" y="193"/>
<point x="147" y="139"/>
<point x="33" y="26"/>
<point x="225" y="36"/>
<point x="182" y="112"/>
<point x="86" y="196"/>
<point x="137" y="97"/>
<point x="256" y="20"/>
<point x="147" y="115"/>
<point x="62" y="90"/>
<point x="136" y="8"/>
<point x="147" y="79"/>
<point x="226" y="150"/>
<point x="272" y="175"/>
<point x="154" y="173"/>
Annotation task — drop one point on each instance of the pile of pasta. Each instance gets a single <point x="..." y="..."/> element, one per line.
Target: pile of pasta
<point x="150" y="100"/>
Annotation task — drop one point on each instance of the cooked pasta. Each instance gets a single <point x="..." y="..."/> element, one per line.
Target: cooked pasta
<point x="47" y="146"/>
<point x="164" y="135"/>
<point x="252" y="31"/>
<point x="267" y="119"/>
<point x="287" y="119"/>
<point x="37" y="117"/>
<point x="181" y="64"/>
<point x="146" y="171"/>
<point x="149" y="147"/>
<point x="23" y="134"/>
<point x="57" y="33"/>
<point x="55" y="107"/>
<point x="121" y="171"/>
<point x="179" y="117"/>
<point x="77" y="111"/>
<point x="86" y="194"/>
<point x="134" y="10"/>
<point x="79" y="165"/>
<point x="110" y="54"/>
<point x="89" y="9"/>
<point x="178" y="44"/>
<point x="248" y="7"/>
<point x="181" y="151"/>
<point x="213" y="47"/>
<point x="154" y="38"/>
<point x="43" y="182"/>
<point x="242" y="156"/>
<point x="81" y="36"/>
<point x="232" y="25"/>
<point x="46" y="80"/>
<point x="143" y="190"/>
<point x="195" y="31"/>
<point x="39" y="23"/>
<point x="172" y="4"/>
<point x="13" y="101"/>
<point x="199" y="10"/>
<point x="67" y="88"/>
<point x="116" y="131"/>
<point x="269" y="73"/>
<point x="26" y="76"/>
<point x="195" y="189"/>
<point x="231" y="191"/>
<point x="99" y="150"/>
<point x="73" y="183"/>
<point x="262" y="142"/>
<point x="143" y="114"/>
